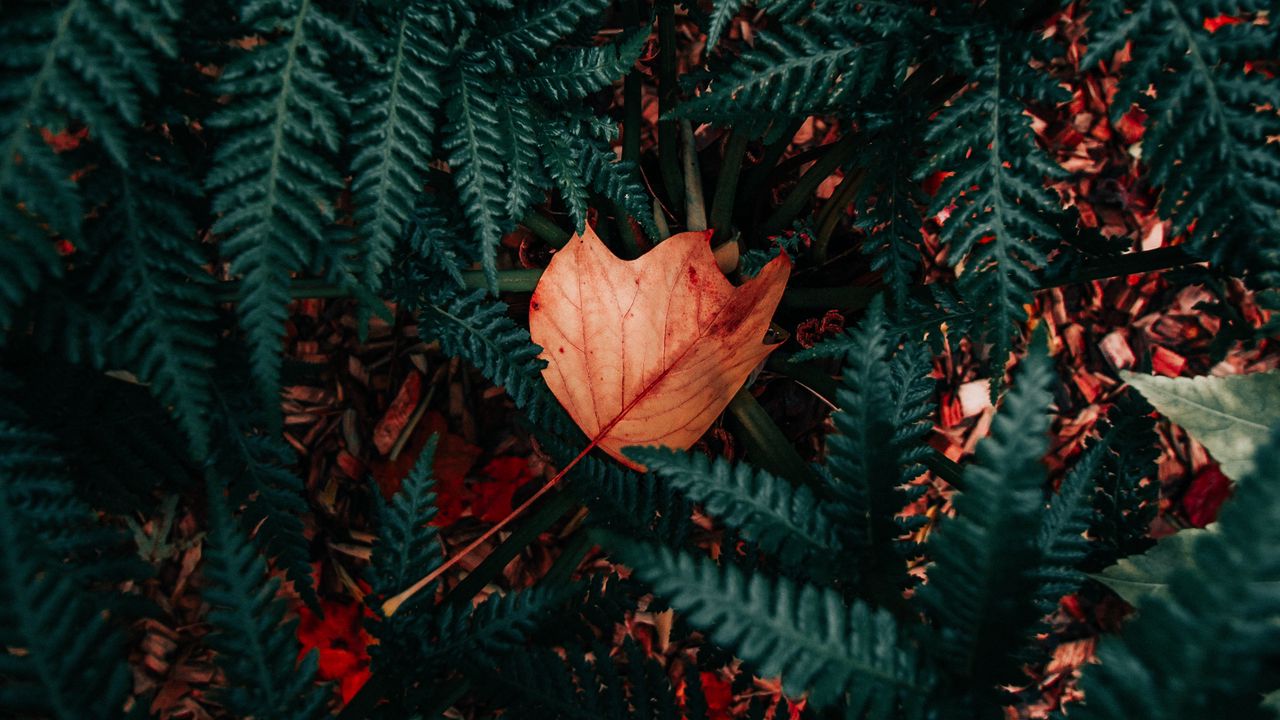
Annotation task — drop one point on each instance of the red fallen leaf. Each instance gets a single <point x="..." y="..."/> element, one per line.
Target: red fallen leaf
<point x="649" y="351"/>
<point x="1132" y="125"/>
<point x="398" y="414"/>
<point x="934" y="181"/>
<point x="64" y="247"/>
<point x="719" y="694"/>
<point x="352" y="683"/>
<point x="453" y="460"/>
<point x="64" y="140"/>
<point x="1213" y="24"/>
<point x="491" y="501"/>
<point x="1204" y="498"/>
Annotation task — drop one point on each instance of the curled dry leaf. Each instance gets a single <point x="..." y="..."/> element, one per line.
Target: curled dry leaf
<point x="649" y="351"/>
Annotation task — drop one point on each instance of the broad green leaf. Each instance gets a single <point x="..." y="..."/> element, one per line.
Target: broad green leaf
<point x="1134" y="578"/>
<point x="1230" y="416"/>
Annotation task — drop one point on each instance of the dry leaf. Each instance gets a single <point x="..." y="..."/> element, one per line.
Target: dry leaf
<point x="649" y="351"/>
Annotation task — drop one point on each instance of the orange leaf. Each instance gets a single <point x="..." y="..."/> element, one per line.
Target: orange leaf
<point x="649" y="351"/>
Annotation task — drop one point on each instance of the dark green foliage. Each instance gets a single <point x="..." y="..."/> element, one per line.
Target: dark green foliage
<point x="1206" y="144"/>
<point x="406" y="546"/>
<point x="591" y="683"/>
<point x="479" y="330"/>
<point x="1207" y="648"/>
<point x="72" y="661"/>
<point x="66" y="63"/>
<point x="804" y="633"/>
<point x="884" y="406"/>
<point x="782" y="519"/>
<point x="160" y="291"/>
<point x="275" y="178"/>
<point x="1129" y="491"/>
<point x="982" y="579"/>
<point x="394" y="124"/>
<point x="256" y="647"/>
<point x="1000" y="230"/>
<point x="254" y="468"/>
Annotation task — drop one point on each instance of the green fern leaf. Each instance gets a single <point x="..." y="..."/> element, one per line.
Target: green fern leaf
<point x="804" y="633"/>
<point x="153" y="269"/>
<point x="69" y="663"/>
<point x="474" y="145"/>
<point x="393" y="128"/>
<point x="76" y="62"/>
<point x="275" y="176"/>
<point x="981" y="581"/>
<point x="574" y="73"/>
<point x="256" y="647"/>
<point x="998" y="230"/>
<point x="781" y="518"/>
<point x="406" y="546"/>
<point x="1206" y="144"/>
<point x="519" y="37"/>
<point x="1205" y="648"/>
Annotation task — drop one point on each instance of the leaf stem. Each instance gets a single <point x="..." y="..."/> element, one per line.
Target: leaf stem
<point x="767" y="446"/>
<point x="727" y="184"/>
<point x="668" y="92"/>
<point x="802" y="193"/>
<point x="695" y="206"/>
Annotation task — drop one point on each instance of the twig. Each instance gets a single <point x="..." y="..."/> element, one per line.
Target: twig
<point x="695" y="206"/>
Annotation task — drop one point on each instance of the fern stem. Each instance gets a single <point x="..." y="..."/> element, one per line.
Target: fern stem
<point x="668" y="132"/>
<point x="545" y="229"/>
<point x="727" y="183"/>
<point x="492" y="566"/>
<point x="631" y="95"/>
<point x="695" y="206"/>
<point x="831" y="213"/>
<point x="561" y="571"/>
<point x="1137" y="263"/>
<point x="802" y="193"/>
<point x="767" y="446"/>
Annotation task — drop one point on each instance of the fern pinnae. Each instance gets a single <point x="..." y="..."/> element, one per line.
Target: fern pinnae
<point x="257" y="649"/>
<point x="781" y="518"/>
<point x="806" y="634"/>
<point x="395" y="118"/>
<point x="274" y="177"/>
<point x="980" y="585"/>
<point x="473" y="145"/>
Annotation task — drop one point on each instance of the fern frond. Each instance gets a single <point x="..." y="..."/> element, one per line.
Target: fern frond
<point x="1129" y="491"/>
<point x="394" y="125"/>
<point x="525" y="171"/>
<point x="64" y="651"/>
<point x="479" y="330"/>
<point x="592" y="682"/>
<point x="256" y="647"/>
<point x="521" y="36"/>
<point x="406" y="547"/>
<point x="618" y="181"/>
<point x="998" y="229"/>
<point x="153" y="269"/>
<point x="474" y="143"/>
<point x="563" y="167"/>
<point x="888" y="208"/>
<point x="980" y="584"/>
<point x="77" y="62"/>
<point x="574" y="73"/>
<point x="781" y="518"/>
<point x="804" y="633"/>
<point x="1061" y="539"/>
<point x="254" y="469"/>
<point x="1206" y="144"/>
<point x="722" y="12"/>
<point x="275" y="176"/>
<point x="884" y="404"/>
<point x="493" y="629"/>
<point x="1207" y="647"/>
